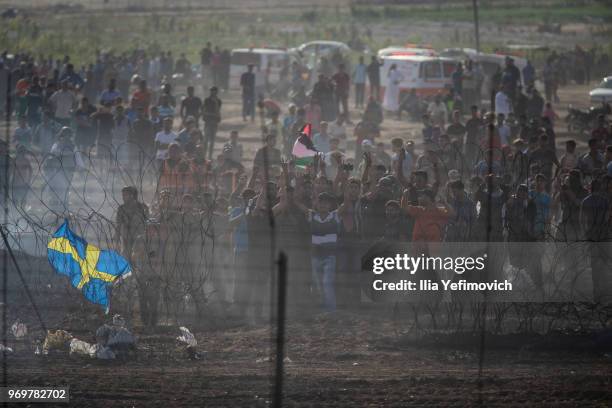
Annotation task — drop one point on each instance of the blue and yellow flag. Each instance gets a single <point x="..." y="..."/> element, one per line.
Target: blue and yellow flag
<point x="90" y="269"/>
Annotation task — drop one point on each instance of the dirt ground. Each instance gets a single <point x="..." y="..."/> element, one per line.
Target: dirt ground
<point x="352" y="359"/>
<point x="250" y="134"/>
<point x="348" y="360"/>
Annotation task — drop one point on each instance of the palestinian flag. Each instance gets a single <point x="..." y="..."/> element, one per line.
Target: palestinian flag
<point x="303" y="148"/>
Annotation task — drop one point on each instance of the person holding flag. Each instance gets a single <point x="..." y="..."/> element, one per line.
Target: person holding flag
<point x="304" y="150"/>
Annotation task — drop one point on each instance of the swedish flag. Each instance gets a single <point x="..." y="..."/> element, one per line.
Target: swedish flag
<point x="90" y="269"/>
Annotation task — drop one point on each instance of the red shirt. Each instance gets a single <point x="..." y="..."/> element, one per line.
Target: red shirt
<point x="141" y="99"/>
<point x="429" y="223"/>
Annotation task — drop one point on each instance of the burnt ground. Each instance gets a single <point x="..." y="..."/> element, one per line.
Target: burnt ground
<point x="364" y="358"/>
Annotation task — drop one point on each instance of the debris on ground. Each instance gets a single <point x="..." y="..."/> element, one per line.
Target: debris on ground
<point x="58" y="340"/>
<point x="270" y="359"/>
<point x="19" y="330"/>
<point x="189" y="344"/>
<point x="4" y="348"/>
<point x="81" y="347"/>
<point x="103" y="353"/>
<point x="187" y="337"/>
<point x="116" y="337"/>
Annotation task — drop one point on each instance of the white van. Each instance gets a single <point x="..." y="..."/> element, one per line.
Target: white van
<point x="268" y="62"/>
<point x="398" y="50"/>
<point x="427" y="75"/>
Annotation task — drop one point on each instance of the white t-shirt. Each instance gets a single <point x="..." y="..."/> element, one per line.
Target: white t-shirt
<point x="503" y="104"/>
<point x="164" y="139"/>
<point x="63" y="101"/>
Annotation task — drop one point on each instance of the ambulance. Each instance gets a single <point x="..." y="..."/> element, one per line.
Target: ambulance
<point x="406" y="50"/>
<point x="428" y="75"/>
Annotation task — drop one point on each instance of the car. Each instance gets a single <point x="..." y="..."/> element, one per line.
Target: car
<point x="267" y="65"/>
<point x="312" y="51"/>
<point x="323" y="48"/>
<point x="603" y="92"/>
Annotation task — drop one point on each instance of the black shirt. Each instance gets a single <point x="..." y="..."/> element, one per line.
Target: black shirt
<point x="456" y="130"/>
<point x="473" y="128"/>
<point x="191" y="106"/>
<point x="212" y="109"/>
<point x="247" y="82"/>
<point x="374" y="73"/>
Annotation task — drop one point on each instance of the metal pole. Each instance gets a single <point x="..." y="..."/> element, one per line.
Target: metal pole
<point x="5" y="199"/>
<point x="476" y="27"/>
<point x="280" y="330"/>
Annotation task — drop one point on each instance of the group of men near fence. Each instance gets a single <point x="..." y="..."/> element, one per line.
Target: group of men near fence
<point x="494" y="177"/>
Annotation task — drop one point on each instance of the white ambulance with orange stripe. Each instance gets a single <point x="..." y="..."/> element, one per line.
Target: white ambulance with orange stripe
<point x="428" y="75"/>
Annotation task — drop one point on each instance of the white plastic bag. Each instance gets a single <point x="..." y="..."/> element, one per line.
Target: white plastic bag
<point x="81" y="347"/>
<point x="187" y="337"/>
<point x="19" y="329"/>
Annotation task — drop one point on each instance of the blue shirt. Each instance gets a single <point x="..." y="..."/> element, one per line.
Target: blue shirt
<point x="109" y="96"/>
<point x="73" y="78"/>
<point x="359" y="74"/>
<point x="542" y="202"/>
<point x="528" y="73"/>
<point x="183" y="137"/>
<point x="321" y="143"/>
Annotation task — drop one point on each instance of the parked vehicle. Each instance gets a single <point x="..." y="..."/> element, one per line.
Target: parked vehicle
<point x="582" y="122"/>
<point x="427" y="75"/>
<point x="268" y="64"/>
<point x="398" y="50"/>
<point x="603" y="92"/>
<point x="311" y="53"/>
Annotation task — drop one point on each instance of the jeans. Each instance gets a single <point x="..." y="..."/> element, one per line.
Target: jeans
<point x="324" y="279"/>
<point x="359" y="95"/>
<point x="210" y="132"/>
<point x="248" y="106"/>
<point x="342" y="101"/>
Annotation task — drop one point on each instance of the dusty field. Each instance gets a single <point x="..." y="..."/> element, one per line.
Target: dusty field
<point x="250" y="134"/>
<point x="350" y="360"/>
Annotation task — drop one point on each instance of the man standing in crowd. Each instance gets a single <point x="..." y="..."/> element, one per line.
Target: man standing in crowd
<point x="247" y="83"/>
<point x="191" y="106"/>
<point x="374" y="77"/>
<point x="211" y="113"/>
<point x="342" y="86"/>
<point x="359" y="79"/>
<point x="63" y="101"/>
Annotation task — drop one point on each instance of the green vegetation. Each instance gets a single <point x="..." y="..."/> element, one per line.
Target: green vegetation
<point x="533" y="13"/>
<point x="81" y="34"/>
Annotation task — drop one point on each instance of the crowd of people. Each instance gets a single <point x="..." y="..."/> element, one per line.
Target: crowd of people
<point x="489" y="172"/>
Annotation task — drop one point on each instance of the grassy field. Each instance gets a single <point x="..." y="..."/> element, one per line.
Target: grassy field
<point x="492" y="12"/>
<point x="125" y="25"/>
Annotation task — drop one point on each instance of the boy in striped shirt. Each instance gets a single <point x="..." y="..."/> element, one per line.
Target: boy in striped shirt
<point x="325" y="224"/>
